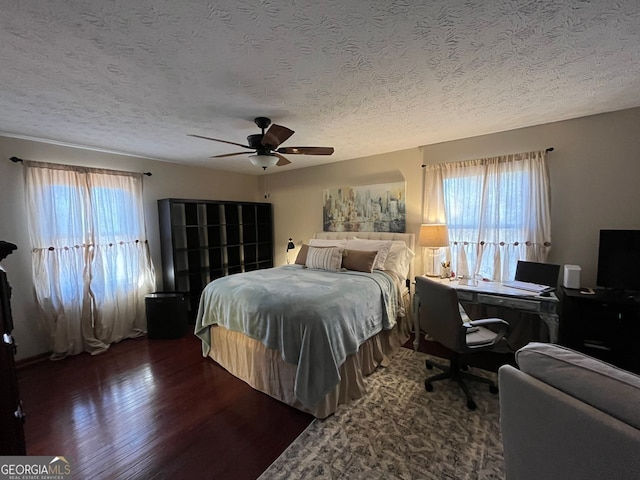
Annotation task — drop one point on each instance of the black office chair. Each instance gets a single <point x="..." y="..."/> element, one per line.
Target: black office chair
<point x="440" y="318"/>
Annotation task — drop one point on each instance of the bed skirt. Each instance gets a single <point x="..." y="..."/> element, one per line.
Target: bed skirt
<point x="263" y="368"/>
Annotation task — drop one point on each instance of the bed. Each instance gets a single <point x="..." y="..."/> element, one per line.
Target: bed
<point x="309" y="336"/>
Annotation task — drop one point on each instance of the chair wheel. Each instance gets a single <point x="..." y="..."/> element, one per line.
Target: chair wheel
<point x="428" y="365"/>
<point x="471" y="405"/>
<point x="427" y="386"/>
<point x="493" y="389"/>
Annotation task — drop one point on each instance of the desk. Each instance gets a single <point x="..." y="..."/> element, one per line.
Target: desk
<point x="499" y="295"/>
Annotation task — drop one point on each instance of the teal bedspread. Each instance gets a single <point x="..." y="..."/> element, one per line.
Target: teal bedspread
<point x="315" y="318"/>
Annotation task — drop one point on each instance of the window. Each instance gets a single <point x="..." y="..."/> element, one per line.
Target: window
<point x="496" y="209"/>
<point x="91" y="264"/>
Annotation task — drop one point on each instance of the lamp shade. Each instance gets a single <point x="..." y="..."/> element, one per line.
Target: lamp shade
<point x="433" y="235"/>
<point x="263" y="161"/>
<point x="290" y="245"/>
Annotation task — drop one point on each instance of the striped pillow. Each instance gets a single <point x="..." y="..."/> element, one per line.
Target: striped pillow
<point x="324" y="258"/>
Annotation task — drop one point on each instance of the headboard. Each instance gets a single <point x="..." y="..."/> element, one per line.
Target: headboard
<point x="408" y="238"/>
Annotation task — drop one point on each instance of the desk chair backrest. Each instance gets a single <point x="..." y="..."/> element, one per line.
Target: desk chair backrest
<point x="439" y="313"/>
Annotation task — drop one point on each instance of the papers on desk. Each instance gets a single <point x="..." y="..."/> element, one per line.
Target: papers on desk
<point x="529" y="287"/>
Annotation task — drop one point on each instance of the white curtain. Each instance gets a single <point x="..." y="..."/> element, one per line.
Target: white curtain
<point x="497" y="211"/>
<point x="91" y="262"/>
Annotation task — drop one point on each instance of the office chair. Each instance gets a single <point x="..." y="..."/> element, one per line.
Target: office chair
<point x="439" y="315"/>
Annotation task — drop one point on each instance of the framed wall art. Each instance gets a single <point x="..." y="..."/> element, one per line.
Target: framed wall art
<point x="368" y="208"/>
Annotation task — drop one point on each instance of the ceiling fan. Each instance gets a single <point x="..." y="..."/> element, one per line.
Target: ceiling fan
<point x="265" y="144"/>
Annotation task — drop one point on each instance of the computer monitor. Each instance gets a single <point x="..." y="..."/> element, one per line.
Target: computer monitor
<point x="540" y="273"/>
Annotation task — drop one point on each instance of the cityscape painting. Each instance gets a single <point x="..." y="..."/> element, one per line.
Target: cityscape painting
<point x="370" y="208"/>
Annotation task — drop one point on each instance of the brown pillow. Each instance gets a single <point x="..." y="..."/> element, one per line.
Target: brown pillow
<point x="301" y="259"/>
<point x="359" y="260"/>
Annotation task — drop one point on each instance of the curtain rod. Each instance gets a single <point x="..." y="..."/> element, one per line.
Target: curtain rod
<point x="550" y="149"/>
<point x="16" y="160"/>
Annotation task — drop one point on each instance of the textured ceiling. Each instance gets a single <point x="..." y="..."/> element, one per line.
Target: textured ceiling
<point x="365" y="77"/>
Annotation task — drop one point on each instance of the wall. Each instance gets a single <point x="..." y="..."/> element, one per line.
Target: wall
<point x="594" y="170"/>
<point x="297" y="194"/>
<point x="168" y="180"/>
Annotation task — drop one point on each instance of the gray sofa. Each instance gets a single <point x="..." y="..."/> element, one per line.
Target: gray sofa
<point x="565" y="415"/>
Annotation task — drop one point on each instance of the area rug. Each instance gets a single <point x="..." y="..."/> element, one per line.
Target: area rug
<point x="399" y="431"/>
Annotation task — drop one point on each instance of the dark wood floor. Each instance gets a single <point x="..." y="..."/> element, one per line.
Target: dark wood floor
<point x="153" y="409"/>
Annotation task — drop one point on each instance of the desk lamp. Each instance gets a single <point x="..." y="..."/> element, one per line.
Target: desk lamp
<point x="433" y="236"/>
<point x="290" y="246"/>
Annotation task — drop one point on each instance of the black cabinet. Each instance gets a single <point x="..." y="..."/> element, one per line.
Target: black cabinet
<point x="167" y="314"/>
<point x="605" y="325"/>
<point x="202" y="240"/>
<point x="11" y="416"/>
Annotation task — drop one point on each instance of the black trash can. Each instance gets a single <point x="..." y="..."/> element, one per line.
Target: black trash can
<point x="166" y="314"/>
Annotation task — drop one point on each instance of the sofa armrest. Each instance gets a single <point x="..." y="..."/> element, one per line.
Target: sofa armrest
<point x="550" y="435"/>
<point x="610" y="389"/>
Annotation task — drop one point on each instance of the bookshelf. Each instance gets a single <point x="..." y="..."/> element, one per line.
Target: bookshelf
<point x="202" y="240"/>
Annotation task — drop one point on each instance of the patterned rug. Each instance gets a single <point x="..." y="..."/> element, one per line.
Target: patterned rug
<point x="399" y="431"/>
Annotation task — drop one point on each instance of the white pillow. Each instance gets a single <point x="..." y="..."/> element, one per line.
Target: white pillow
<point x="325" y="242"/>
<point x="399" y="258"/>
<point x="382" y="246"/>
<point x="324" y="258"/>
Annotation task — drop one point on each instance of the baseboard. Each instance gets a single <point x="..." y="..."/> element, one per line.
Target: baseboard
<point x="26" y="362"/>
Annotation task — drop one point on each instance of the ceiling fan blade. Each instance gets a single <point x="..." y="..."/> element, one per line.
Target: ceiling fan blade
<point x="283" y="160"/>
<point x="276" y="135"/>
<point x="230" y="154"/>
<point x="306" y="150"/>
<point x="218" y="140"/>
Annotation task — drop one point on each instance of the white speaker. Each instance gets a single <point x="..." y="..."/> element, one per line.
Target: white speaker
<point x="571" y="276"/>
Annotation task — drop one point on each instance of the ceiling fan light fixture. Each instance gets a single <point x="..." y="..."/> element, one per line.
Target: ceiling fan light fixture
<point x="263" y="161"/>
